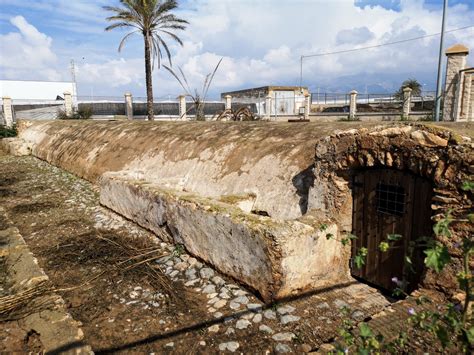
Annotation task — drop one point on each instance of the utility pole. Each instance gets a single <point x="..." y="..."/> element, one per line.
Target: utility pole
<point x="301" y="73"/>
<point x="73" y="75"/>
<point x="440" y="63"/>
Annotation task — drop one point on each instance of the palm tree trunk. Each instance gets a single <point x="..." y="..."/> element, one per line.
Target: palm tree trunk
<point x="149" y="86"/>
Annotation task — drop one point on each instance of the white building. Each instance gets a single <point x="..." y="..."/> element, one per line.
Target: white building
<point x="35" y="90"/>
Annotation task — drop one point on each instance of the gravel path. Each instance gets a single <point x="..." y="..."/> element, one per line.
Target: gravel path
<point x="68" y="231"/>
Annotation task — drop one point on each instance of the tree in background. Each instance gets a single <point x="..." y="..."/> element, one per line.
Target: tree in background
<point x="199" y="97"/>
<point x="413" y="84"/>
<point x="154" y="20"/>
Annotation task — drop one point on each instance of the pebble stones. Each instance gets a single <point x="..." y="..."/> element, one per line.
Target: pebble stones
<point x="206" y="273"/>
<point x="282" y="348"/>
<point x="266" y="329"/>
<point x="213" y="328"/>
<point x="242" y="324"/>
<point x="190" y="274"/>
<point x="181" y="266"/>
<point x="219" y="304"/>
<point x="209" y="289"/>
<point x="285" y="309"/>
<point x="231" y="346"/>
<point x="283" y="336"/>
<point x="218" y="281"/>
<point x="288" y="318"/>
<point x="269" y="314"/>
<point x="241" y="300"/>
<point x="255" y="307"/>
<point x="340" y="303"/>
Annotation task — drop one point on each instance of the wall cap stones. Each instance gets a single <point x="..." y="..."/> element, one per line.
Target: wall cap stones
<point x="457" y="49"/>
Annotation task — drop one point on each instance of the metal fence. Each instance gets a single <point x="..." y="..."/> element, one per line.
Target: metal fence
<point x="339" y="102"/>
<point x="279" y="106"/>
<point x="36" y="109"/>
<point x="162" y="106"/>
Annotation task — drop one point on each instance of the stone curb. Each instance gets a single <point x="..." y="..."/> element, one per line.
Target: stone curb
<point x="58" y="331"/>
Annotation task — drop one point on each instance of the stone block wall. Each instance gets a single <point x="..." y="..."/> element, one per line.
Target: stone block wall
<point x="457" y="90"/>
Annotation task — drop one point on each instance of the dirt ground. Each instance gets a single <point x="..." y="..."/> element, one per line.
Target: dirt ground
<point x="132" y="292"/>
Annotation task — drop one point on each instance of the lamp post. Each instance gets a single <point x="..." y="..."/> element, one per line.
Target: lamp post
<point x="440" y="62"/>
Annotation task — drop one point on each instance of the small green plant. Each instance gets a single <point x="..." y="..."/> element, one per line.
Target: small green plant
<point x="178" y="250"/>
<point x="451" y="324"/>
<point x="361" y="339"/>
<point x="82" y="113"/>
<point x="7" y="132"/>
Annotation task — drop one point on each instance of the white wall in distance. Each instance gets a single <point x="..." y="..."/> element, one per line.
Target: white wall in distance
<point x="35" y="90"/>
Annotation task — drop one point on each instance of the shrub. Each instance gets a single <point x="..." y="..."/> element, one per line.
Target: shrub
<point x="83" y="113"/>
<point x="6" y="132"/>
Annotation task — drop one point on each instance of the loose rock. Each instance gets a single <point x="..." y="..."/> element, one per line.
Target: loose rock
<point x="231" y="346"/>
<point x="219" y="304"/>
<point x="282" y="348"/>
<point x="206" y="273"/>
<point x="341" y="303"/>
<point x="219" y="281"/>
<point x="214" y="328"/>
<point x="283" y="336"/>
<point x="209" y="289"/>
<point x="241" y="300"/>
<point x="242" y="324"/>
<point x="234" y="305"/>
<point x="230" y="330"/>
<point x="181" y="266"/>
<point x="288" y="318"/>
<point x="254" y="307"/>
<point x="266" y="329"/>
<point x="269" y="314"/>
<point x="286" y="309"/>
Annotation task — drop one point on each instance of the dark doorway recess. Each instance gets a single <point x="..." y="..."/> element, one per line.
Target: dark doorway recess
<point x="390" y="202"/>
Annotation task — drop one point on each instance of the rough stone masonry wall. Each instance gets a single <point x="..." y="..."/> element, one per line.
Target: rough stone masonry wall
<point x="470" y="108"/>
<point x="442" y="156"/>
<point x="456" y="62"/>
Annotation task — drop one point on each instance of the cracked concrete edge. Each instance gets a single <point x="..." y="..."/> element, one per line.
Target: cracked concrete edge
<point x="58" y="331"/>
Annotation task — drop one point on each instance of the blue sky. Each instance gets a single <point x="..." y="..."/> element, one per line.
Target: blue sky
<point x="261" y="43"/>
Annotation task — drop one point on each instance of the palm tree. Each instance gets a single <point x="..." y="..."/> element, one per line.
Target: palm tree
<point x="153" y="19"/>
<point x="413" y="84"/>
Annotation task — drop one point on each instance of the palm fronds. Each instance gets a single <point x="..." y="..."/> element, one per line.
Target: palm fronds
<point x="198" y="97"/>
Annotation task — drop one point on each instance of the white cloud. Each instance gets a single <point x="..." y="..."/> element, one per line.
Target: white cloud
<point x="261" y="43"/>
<point x="27" y="53"/>
<point x="354" y="36"/>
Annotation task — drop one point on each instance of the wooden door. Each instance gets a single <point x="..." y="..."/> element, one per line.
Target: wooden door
<point x="390" y="202"/>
